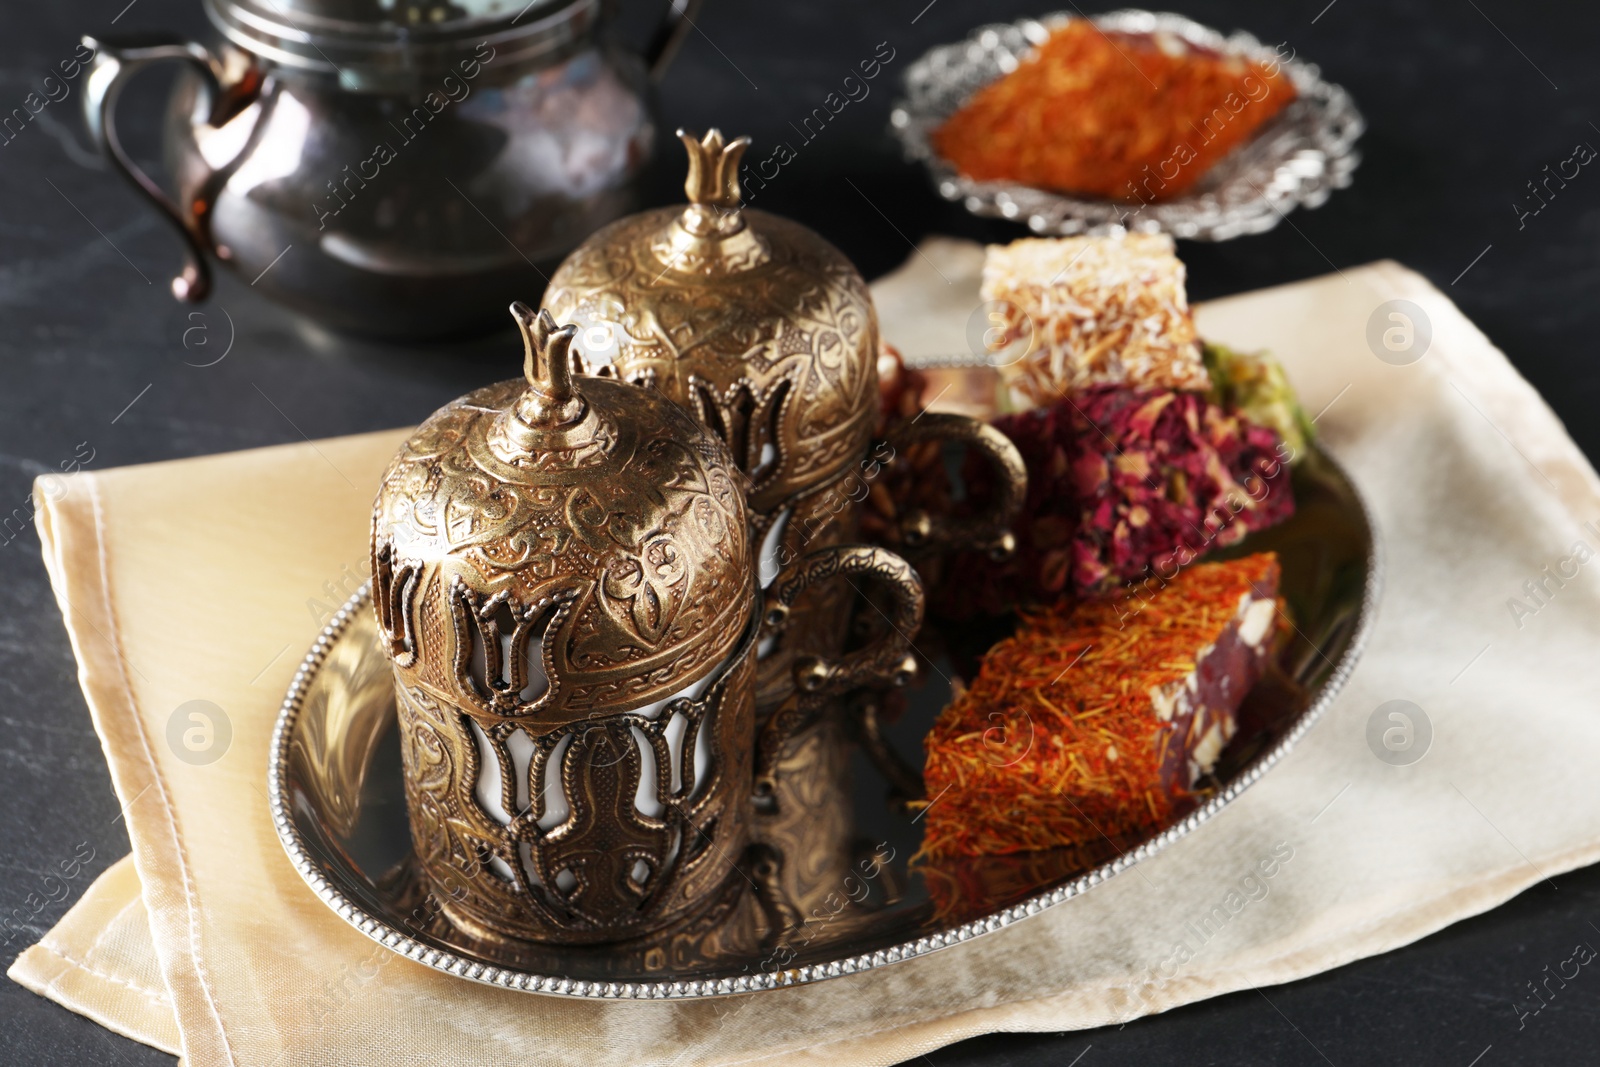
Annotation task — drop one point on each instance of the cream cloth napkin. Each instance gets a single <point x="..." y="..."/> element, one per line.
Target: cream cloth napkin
<point x="190" y="580"/>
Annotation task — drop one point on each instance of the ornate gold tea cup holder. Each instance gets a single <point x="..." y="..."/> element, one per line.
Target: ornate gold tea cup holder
<point x="338" y="804"/>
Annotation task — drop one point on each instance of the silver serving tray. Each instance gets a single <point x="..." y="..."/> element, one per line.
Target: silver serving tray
<point x="1296" y="160"/>
<point x="338" y="805"/>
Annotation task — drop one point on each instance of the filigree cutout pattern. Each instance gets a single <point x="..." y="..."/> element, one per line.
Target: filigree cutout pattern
<point x="564" y="587"/>
<point x="588" y="832"/>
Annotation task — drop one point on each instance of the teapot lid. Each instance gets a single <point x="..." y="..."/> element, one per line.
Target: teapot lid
<point x="591" y="522"/>
<point x="389" y="44"/>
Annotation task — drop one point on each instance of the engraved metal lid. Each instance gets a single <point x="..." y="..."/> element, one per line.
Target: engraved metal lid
<point x="754" y="322"/>
<point x="556" y="547"/>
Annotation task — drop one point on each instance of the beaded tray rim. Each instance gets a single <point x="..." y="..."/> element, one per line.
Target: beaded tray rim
<point x="333" y="895"/>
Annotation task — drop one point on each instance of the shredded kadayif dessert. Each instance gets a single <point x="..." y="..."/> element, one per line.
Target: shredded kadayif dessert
<point x="1079" y="311"/>
<point x="1096" y="722"/>
<point x="1127" y="116"/>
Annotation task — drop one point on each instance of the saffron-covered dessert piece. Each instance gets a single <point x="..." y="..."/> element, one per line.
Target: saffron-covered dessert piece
<point x="1138" y="117"/>
<point x="1122" y="485"/>
<point x="1069" y="313"/>
<point x="1098" y="721"/>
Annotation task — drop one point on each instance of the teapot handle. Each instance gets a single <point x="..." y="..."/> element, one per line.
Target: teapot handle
<point x="109" y="71"/>
<point x="887" y="660"/>
<point x="669" y="35"/>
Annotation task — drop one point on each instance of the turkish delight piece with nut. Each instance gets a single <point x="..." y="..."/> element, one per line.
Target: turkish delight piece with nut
<point x="1100" y="721"/>
<point x="1201" y="708"/>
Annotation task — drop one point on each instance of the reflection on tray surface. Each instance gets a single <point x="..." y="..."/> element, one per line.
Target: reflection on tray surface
<point x="830" y="876"/>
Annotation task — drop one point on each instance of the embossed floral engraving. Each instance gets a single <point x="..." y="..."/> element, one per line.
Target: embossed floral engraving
<point x="563" y="584"/>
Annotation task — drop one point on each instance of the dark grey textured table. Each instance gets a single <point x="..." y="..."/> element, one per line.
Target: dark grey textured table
<point x="1467" y="100"/>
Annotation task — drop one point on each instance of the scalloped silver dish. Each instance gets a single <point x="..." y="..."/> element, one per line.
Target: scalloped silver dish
<point x="338" y="806"/>
<point x="1295" y="160"/>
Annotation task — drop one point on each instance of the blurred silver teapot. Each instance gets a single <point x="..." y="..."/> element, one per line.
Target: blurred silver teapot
<point x="398" y="168"/>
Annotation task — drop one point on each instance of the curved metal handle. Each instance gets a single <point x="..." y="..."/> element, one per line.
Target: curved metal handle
<point x="669" y="35"/>
<point x="989" y="532"/>
<point x="109" y="71"/>
<point x="887" y="661"/>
